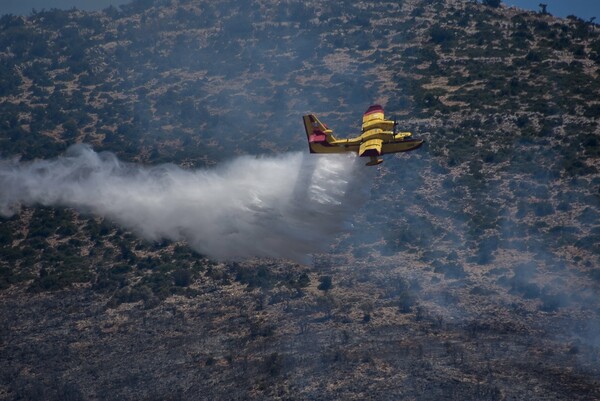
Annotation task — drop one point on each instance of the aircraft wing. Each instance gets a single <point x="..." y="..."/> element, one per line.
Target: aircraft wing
<point x="372" y="117"/>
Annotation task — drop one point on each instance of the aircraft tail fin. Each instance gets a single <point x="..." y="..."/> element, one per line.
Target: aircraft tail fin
<point x="317" y="133"/>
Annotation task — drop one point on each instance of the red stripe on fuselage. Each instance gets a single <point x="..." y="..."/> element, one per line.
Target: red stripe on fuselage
<point x="315" y="138"/>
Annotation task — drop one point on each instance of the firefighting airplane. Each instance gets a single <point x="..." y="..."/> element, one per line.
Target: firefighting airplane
<point x="378" y="137"/>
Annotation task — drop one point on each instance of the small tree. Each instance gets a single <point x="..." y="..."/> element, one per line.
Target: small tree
<point x="303" y="280"/>
<point x="325" y="283"/>
<point x="182" y="277"/>
<point x="492" y="3"/>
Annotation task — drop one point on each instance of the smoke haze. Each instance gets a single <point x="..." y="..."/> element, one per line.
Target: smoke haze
<point x="286" y="206"/>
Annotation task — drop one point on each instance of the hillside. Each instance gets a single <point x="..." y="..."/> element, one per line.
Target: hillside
<point x="472" y="271"/>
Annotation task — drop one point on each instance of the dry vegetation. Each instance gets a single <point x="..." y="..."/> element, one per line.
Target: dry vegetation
<point x="472" y="272"/>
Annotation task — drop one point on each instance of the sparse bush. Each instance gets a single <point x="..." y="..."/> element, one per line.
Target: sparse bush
<point x="595" y="275"/>
<point x="551" y="302"/>
<point x="182" y="277"/>
<point x="406" y="301"/>
<point x="59" y="277"/>
<point x="492" y="3"/>
<point x="543" y="209"/>
<point x="303" y="280"/>
<point x="258" y="329"/>
<point x="485" y="292"/>
<point x="439" y="34"/>
<point x="274" y="364"/>
<point x="133" y="294"/>
<point x="255" y="277"/>
<point x="451" y="270"/>
<point x="325" y="283"/>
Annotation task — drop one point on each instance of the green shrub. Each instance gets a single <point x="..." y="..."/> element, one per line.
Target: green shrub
<point x="325" y="283"/>
<point x="451" y="270"/>
<point x="182" y="277"/>
<point x="492" y="3"/>
<point x="440" y="35"/>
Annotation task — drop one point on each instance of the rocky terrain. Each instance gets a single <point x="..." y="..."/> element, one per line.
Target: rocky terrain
<point x="471" y="272"/>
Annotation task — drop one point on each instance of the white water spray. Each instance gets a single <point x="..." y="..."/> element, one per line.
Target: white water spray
<point x="287" y="206"/>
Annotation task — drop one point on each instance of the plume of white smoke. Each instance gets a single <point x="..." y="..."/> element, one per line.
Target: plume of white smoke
<point x="287" y="206"/>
